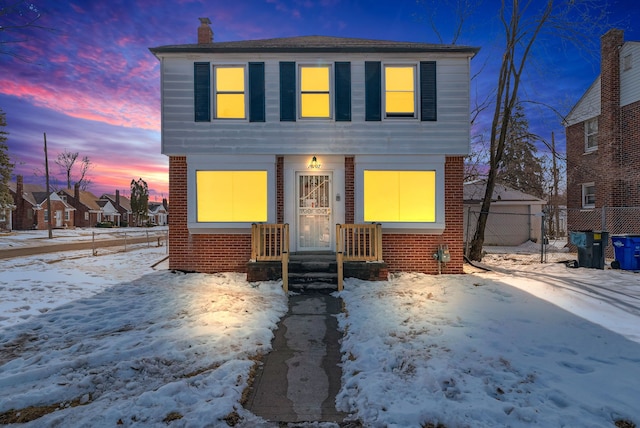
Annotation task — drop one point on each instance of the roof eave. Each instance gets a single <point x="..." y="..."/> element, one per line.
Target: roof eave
<point x="347" y="49"/>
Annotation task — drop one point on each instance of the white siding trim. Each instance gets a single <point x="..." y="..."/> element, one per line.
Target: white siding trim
<point x="228" y="163"/>
<point x="402" y="163"/>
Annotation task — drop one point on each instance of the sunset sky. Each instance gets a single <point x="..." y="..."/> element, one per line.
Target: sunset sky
<point x="90" y="83"/>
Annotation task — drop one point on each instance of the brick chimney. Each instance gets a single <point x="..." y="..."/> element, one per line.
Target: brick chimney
<point x="609" y="137"/>
<point x="76" y="192"/>
<point x="117" y="198"/>
<point x="205" y="33"/>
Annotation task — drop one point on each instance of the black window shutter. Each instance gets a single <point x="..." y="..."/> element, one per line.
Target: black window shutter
<point x="202" y="91"/>
<point x="343" y="91"/>
<point x="287" y="91"/>
<point x="373" y="90"/>
<point x="428" y="102"/>
<point x="256" y="92"/>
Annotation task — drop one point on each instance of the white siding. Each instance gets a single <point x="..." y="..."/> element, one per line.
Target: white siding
<point x="630" y="79"/>
<point x="449" y="135"/>
<point x="588" y="106"/>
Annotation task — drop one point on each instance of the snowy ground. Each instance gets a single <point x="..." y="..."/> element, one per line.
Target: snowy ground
<point x="100" y="341"/>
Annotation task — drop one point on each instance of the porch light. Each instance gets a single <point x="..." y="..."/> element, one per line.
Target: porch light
<point x="314" y="164"/>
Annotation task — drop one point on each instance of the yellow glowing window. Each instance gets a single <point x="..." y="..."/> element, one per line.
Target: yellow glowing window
<point x="400" y="91"/>
<point x="400" y="196"/>
<point x="314" y="92"/>
<point x="231" y="196"/>
<point x="230" y="99"/>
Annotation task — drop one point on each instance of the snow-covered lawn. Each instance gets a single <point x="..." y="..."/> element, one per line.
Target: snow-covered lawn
<point x="108" y="340"/>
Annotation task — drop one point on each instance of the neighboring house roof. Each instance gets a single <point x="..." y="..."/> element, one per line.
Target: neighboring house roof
<point x="36" y="195"/>
<point x="156" y="207"/>
<point x="107" y="207"/>
<point x="124" y="202"/>
<point x="87" y="199"/>
<point x="313" y="44"/>
<point x="474" y="193"/>
<point x="27" y="191"/>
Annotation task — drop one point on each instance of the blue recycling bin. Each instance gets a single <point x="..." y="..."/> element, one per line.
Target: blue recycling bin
<point x="626" y="250"/>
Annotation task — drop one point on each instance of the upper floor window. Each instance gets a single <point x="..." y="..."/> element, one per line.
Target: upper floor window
<point x="229" y="87"/>
<point x="400" y="91"/>
<point x="591" y="135"/>
<point x="315" y="97"/>
<point x="588" y="195"/>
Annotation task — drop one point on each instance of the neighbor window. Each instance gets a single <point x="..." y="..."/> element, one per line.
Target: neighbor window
<point x="588" y="195"/>
<point x="315" y="100"/>
<point x="66" y="215"/>
<point x="46" y="215"/>
<point x="591" y="134"/>
<point x="86" y="216"/>
<point x="231" y="196"/>
<point x="399" y="196"/>
<point x="229" y="86"/>
<point x="400" y="91"/>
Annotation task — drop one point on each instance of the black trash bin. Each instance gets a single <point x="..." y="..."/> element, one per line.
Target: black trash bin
<point x="591" y="247"/>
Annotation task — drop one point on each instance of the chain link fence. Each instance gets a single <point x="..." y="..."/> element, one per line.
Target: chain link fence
<point x="544" y="237"/>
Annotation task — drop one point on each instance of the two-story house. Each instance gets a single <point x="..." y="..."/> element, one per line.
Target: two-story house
<point x="314" y="131"/>
<point x="603" y="144"/>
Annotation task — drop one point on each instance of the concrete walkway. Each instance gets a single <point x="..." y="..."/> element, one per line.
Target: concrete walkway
<point x="299" y="379"/>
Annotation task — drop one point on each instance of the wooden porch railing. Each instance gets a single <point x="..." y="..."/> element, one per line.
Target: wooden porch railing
<point x="357" y="242"/>
<point x="270" y="242"/>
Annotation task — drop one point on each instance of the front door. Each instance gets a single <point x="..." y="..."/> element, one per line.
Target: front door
<point x="58" y="218"/>
<point x="314" y="196"/>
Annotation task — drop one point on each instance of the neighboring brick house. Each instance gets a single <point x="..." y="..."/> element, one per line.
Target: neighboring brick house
<point x="603" y="143"/>
<point x="314" y="131"/>
<point x="123" y="205"/>
<point x="88" y="212"/>
<point x="31" y="211"/>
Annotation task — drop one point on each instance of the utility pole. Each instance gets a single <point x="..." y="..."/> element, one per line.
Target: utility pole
<point x="556" y="208"/>
<point x="46" y="169"/>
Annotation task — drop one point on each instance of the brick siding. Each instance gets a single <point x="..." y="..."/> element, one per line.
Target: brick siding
<point x="195" y="252"/>
<point x="231" y="252"/>
<point x="414" y="252"/>
<point x="613" y="167"/>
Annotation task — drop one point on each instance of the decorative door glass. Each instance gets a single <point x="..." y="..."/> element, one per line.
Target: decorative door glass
<point x="314" y="211"/>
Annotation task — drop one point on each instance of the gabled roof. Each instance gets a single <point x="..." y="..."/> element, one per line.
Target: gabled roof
<point x="587" y="107"/>
<point x="87" y="199"/>
<point x="474" y="192"/>
<point x="156" y="207"/>
<point x="27" y="191"/>
<point x="124" y="202"/>
<point x="313" y="44"/>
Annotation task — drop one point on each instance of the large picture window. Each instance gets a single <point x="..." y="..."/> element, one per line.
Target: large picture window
<point x="231" y="196"/>
<point x="315" y="99"/>
<point x="399" y="196"/>
<point x="229" y="92"/>
<point x="400" y="91"/>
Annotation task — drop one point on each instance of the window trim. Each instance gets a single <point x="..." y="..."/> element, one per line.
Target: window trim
<point x="227" y="163"/>
<point x="330" y="89"/>
<point x="416" y="90"/>
<point x="587" y="148"/>
<point x="584" y="195"/>
<point x="214" y="75"/>
<point x="403" y="163"/>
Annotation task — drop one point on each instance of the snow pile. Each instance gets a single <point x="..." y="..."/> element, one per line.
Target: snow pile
<point x="139" y="353"/>
<point x="472" y="351"/>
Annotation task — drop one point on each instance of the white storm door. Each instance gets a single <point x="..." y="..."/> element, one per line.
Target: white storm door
<point x="313" y="205"/>
<point x="58" y="218"/>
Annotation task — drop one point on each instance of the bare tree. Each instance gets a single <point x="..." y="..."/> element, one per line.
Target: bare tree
<point x="524" y="22"/>
<point x="67" y="160"/>
<point x="17" y="20"/>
